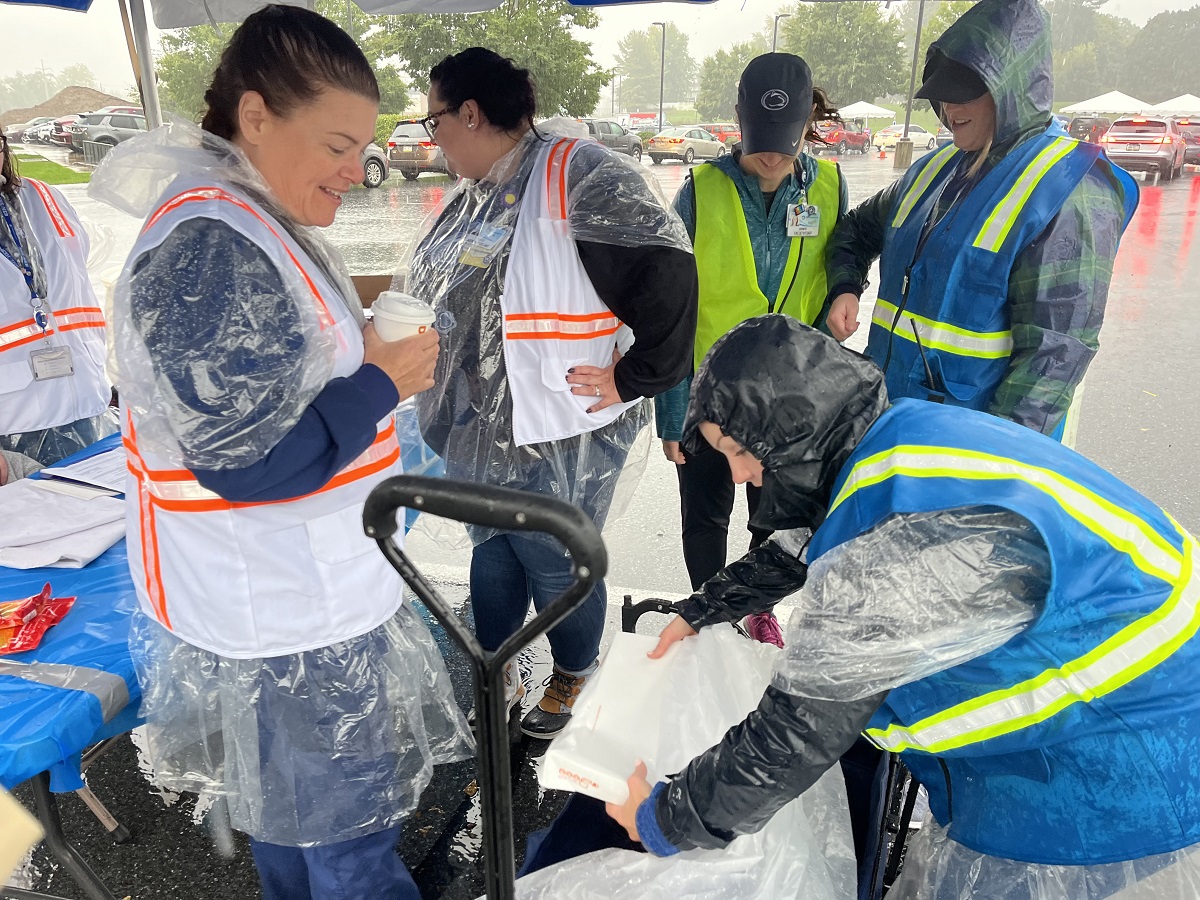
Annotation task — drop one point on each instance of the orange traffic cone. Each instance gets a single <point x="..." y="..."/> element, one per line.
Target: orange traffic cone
<point x="882" y="152"/>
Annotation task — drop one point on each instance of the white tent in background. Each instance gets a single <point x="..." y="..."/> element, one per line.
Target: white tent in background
<point x="864" y="110"/>
<point x="1186" y="105"/>
<point x="1112" y="102"/>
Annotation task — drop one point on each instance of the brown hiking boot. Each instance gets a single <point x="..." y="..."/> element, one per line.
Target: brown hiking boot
<point x="553" y="712"/>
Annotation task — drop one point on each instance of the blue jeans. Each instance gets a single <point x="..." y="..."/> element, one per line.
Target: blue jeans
<point x="509" y="570"/>
<point x="365" y="868"/>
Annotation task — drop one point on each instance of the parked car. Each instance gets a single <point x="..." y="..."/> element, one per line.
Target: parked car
<point x="60" y="133"/>
<point x="637" y="123"/>
<point x="1089" y="129"/>
<point x="40" y="133"/>
<point x="1190" y="129"/>
<point x="944" y="136"/>
<point x="725" y="132"/>
<point x="1146" y="143"/>
<point x="843" y="137"/>
<point x="375" y="166"/>
<point x="687" y="144"/>
<point x="411" y="151"/>
<point x="16" y="133"/>
<point x="106" y="128"/>
<point x="131" y="110"/>
<point x="886" y="138"/>
<point x="612" y="134"/>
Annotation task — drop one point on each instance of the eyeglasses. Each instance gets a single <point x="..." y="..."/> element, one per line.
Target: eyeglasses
<point x="430" y="122"/>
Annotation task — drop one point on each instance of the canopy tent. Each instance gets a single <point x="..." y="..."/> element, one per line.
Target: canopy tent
<point x="1112" y="102"/>
<point x="1184" y="105"/>
<point x="183" y="13"/>
<point x="864" y="110"/>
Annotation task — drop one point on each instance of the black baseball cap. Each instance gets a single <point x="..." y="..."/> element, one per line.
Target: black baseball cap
<point x="775" y="100"/>
<point x="947" y="81"/>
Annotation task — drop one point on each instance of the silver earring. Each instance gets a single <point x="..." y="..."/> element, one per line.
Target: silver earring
<point x="470" y="124"/>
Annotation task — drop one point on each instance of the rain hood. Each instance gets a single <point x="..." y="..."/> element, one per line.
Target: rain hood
<point x="797" y="400"/>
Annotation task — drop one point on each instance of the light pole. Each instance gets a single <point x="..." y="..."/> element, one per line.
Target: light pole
<point x="662" y="73"/>
<point x="775" y="35"/>
<point x="904" y="147"/>
<point x="615" y="85"/>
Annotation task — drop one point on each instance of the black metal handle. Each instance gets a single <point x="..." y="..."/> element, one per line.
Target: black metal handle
<point x="509" y="510"/>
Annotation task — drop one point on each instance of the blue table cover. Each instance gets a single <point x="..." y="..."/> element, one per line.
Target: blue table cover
<point x="46" y="728"/>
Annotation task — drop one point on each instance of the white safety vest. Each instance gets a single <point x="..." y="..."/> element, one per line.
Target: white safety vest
<point x="249" y="580"/>
<point x="553" y="317"/>
<point x="76" y="322"/>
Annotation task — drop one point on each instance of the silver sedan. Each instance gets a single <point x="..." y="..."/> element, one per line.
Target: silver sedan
<point x="687" y="144"/>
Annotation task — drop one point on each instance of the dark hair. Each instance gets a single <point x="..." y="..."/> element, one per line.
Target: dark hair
<point x="12" y="181"/>
<point x="506" y="93"/>
<point x="823" y="111"/>
<point x="289" y="55"/>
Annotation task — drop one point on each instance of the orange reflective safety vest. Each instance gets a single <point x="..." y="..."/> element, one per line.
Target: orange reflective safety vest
<point x="76" y="321"/>
<point x="553" y="317"/>
<point x="249" y="580"/>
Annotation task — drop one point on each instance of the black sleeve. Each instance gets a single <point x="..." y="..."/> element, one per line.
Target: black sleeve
<point x="768" y="760"/>
<point x="857" y="242"/>
<point x="653" y="290"/>
<point x="753" y="584"/>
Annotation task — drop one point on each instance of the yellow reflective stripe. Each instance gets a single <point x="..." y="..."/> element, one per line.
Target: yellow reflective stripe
<point x="940" y="336"/>
<point x="998" y="225"/>
<point x="1128" y="534"/>
<point x="1128" y="654"/>
<point x="930" y="172"/>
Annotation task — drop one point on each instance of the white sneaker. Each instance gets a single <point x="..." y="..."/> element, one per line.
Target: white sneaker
<point x="514" y="691"/>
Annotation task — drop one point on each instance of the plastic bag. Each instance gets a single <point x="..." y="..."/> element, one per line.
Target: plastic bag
<point x="648" y="709"/>
<point x="23" y="623"/>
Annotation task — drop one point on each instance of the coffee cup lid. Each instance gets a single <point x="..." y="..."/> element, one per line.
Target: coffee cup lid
<point x="398" y="303"/>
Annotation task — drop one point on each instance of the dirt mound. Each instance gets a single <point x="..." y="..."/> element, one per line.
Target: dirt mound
<point x="67" y="101"/>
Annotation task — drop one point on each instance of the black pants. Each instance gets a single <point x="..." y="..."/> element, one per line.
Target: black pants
<point x="706" y="492"/>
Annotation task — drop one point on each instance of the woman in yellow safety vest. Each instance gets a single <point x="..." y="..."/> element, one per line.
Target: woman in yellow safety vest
<point x="759" y="220"/>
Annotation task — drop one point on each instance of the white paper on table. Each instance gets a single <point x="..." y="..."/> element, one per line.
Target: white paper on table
<point x="664" y="712"/>
<point x="71" y="552"/>
<point x="30" y="515"/>
<point x="73" y="488"/>
<point x="106" y="470"/>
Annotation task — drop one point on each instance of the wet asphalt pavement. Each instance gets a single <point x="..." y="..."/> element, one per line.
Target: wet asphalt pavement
<point x="1138" y="420"/>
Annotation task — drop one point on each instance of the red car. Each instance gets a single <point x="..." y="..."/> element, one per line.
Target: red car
<point x="843" y="137"/>
<point x="61" y="132"/>
<point x="725" y="132"/>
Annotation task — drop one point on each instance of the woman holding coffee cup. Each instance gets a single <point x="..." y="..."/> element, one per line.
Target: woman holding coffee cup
<point x="279" y="666"/>
<point x="568" y="289"/>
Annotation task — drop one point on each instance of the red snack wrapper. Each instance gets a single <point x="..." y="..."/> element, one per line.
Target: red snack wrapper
<point x="23" y="622"/>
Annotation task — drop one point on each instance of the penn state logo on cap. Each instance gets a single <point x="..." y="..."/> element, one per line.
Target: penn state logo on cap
<point x="775" y="100"/>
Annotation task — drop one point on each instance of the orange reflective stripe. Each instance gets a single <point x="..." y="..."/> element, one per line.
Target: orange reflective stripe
<point x="148" y="532"/>
<point x="79" y="317"/>
<point x="215" y="193"/>
<point x="24" y="332"/>
<point x="61" y="224"/>
<point x="559" y="326"/>
<point x="177" y="490"/>
<point x="556" y="178"/>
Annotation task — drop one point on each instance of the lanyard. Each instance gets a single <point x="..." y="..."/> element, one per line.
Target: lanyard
<point x="25" y="265"/>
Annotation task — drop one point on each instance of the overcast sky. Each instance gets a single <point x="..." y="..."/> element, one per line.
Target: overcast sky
<point x="56" y="38"/>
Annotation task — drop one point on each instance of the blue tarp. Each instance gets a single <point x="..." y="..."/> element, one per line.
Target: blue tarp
<point x="43" y="727"/>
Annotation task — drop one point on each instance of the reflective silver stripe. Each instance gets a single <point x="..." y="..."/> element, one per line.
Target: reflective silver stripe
<point x="930" y="172"/>
<point x="995" y="230"/>
<point x="553" y="324"/>
<point x="940" y="336"/>
<point x="17" y="334"/>
<point x="106" y="687"/>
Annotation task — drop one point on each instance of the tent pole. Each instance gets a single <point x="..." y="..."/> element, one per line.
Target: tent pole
<point x="145" y="64"/>
<point x="133" y="55"/>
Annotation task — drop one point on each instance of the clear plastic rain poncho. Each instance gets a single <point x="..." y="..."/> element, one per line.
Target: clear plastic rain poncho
<point x="467" y="417"/>
<point x="307" y="748"/>
<point x="226" y="402"/>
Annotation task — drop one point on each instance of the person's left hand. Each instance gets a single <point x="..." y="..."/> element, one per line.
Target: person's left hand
<point x="591" y="381"/>
<point x="626" y="813"/>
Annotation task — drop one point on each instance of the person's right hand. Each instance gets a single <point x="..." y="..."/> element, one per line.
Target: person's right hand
<point x="673" y="452"/>
<point x="409" y="363"/>
<point x="677" y="630"/>
<point x="843" y="316"/>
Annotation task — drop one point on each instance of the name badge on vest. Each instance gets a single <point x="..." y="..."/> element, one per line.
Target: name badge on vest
<point x="803" y="220"/>
<point x="51" y="362"/>
<point x="481" y="248"/>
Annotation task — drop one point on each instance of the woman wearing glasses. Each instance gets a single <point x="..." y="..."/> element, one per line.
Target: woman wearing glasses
<point x="566" y="293"/>
<point x="53" y="390"/>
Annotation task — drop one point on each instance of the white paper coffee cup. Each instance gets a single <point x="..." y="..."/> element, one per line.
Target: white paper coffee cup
<point x="398" y="316"/>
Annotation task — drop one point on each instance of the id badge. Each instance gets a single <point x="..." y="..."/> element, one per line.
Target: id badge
<point x="803" y="220"/>
<point x="51" y="362"/>
<point x="482" y="248"/>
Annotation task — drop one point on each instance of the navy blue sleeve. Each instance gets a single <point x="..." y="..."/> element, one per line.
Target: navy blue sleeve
<point x="337" y="426"/>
